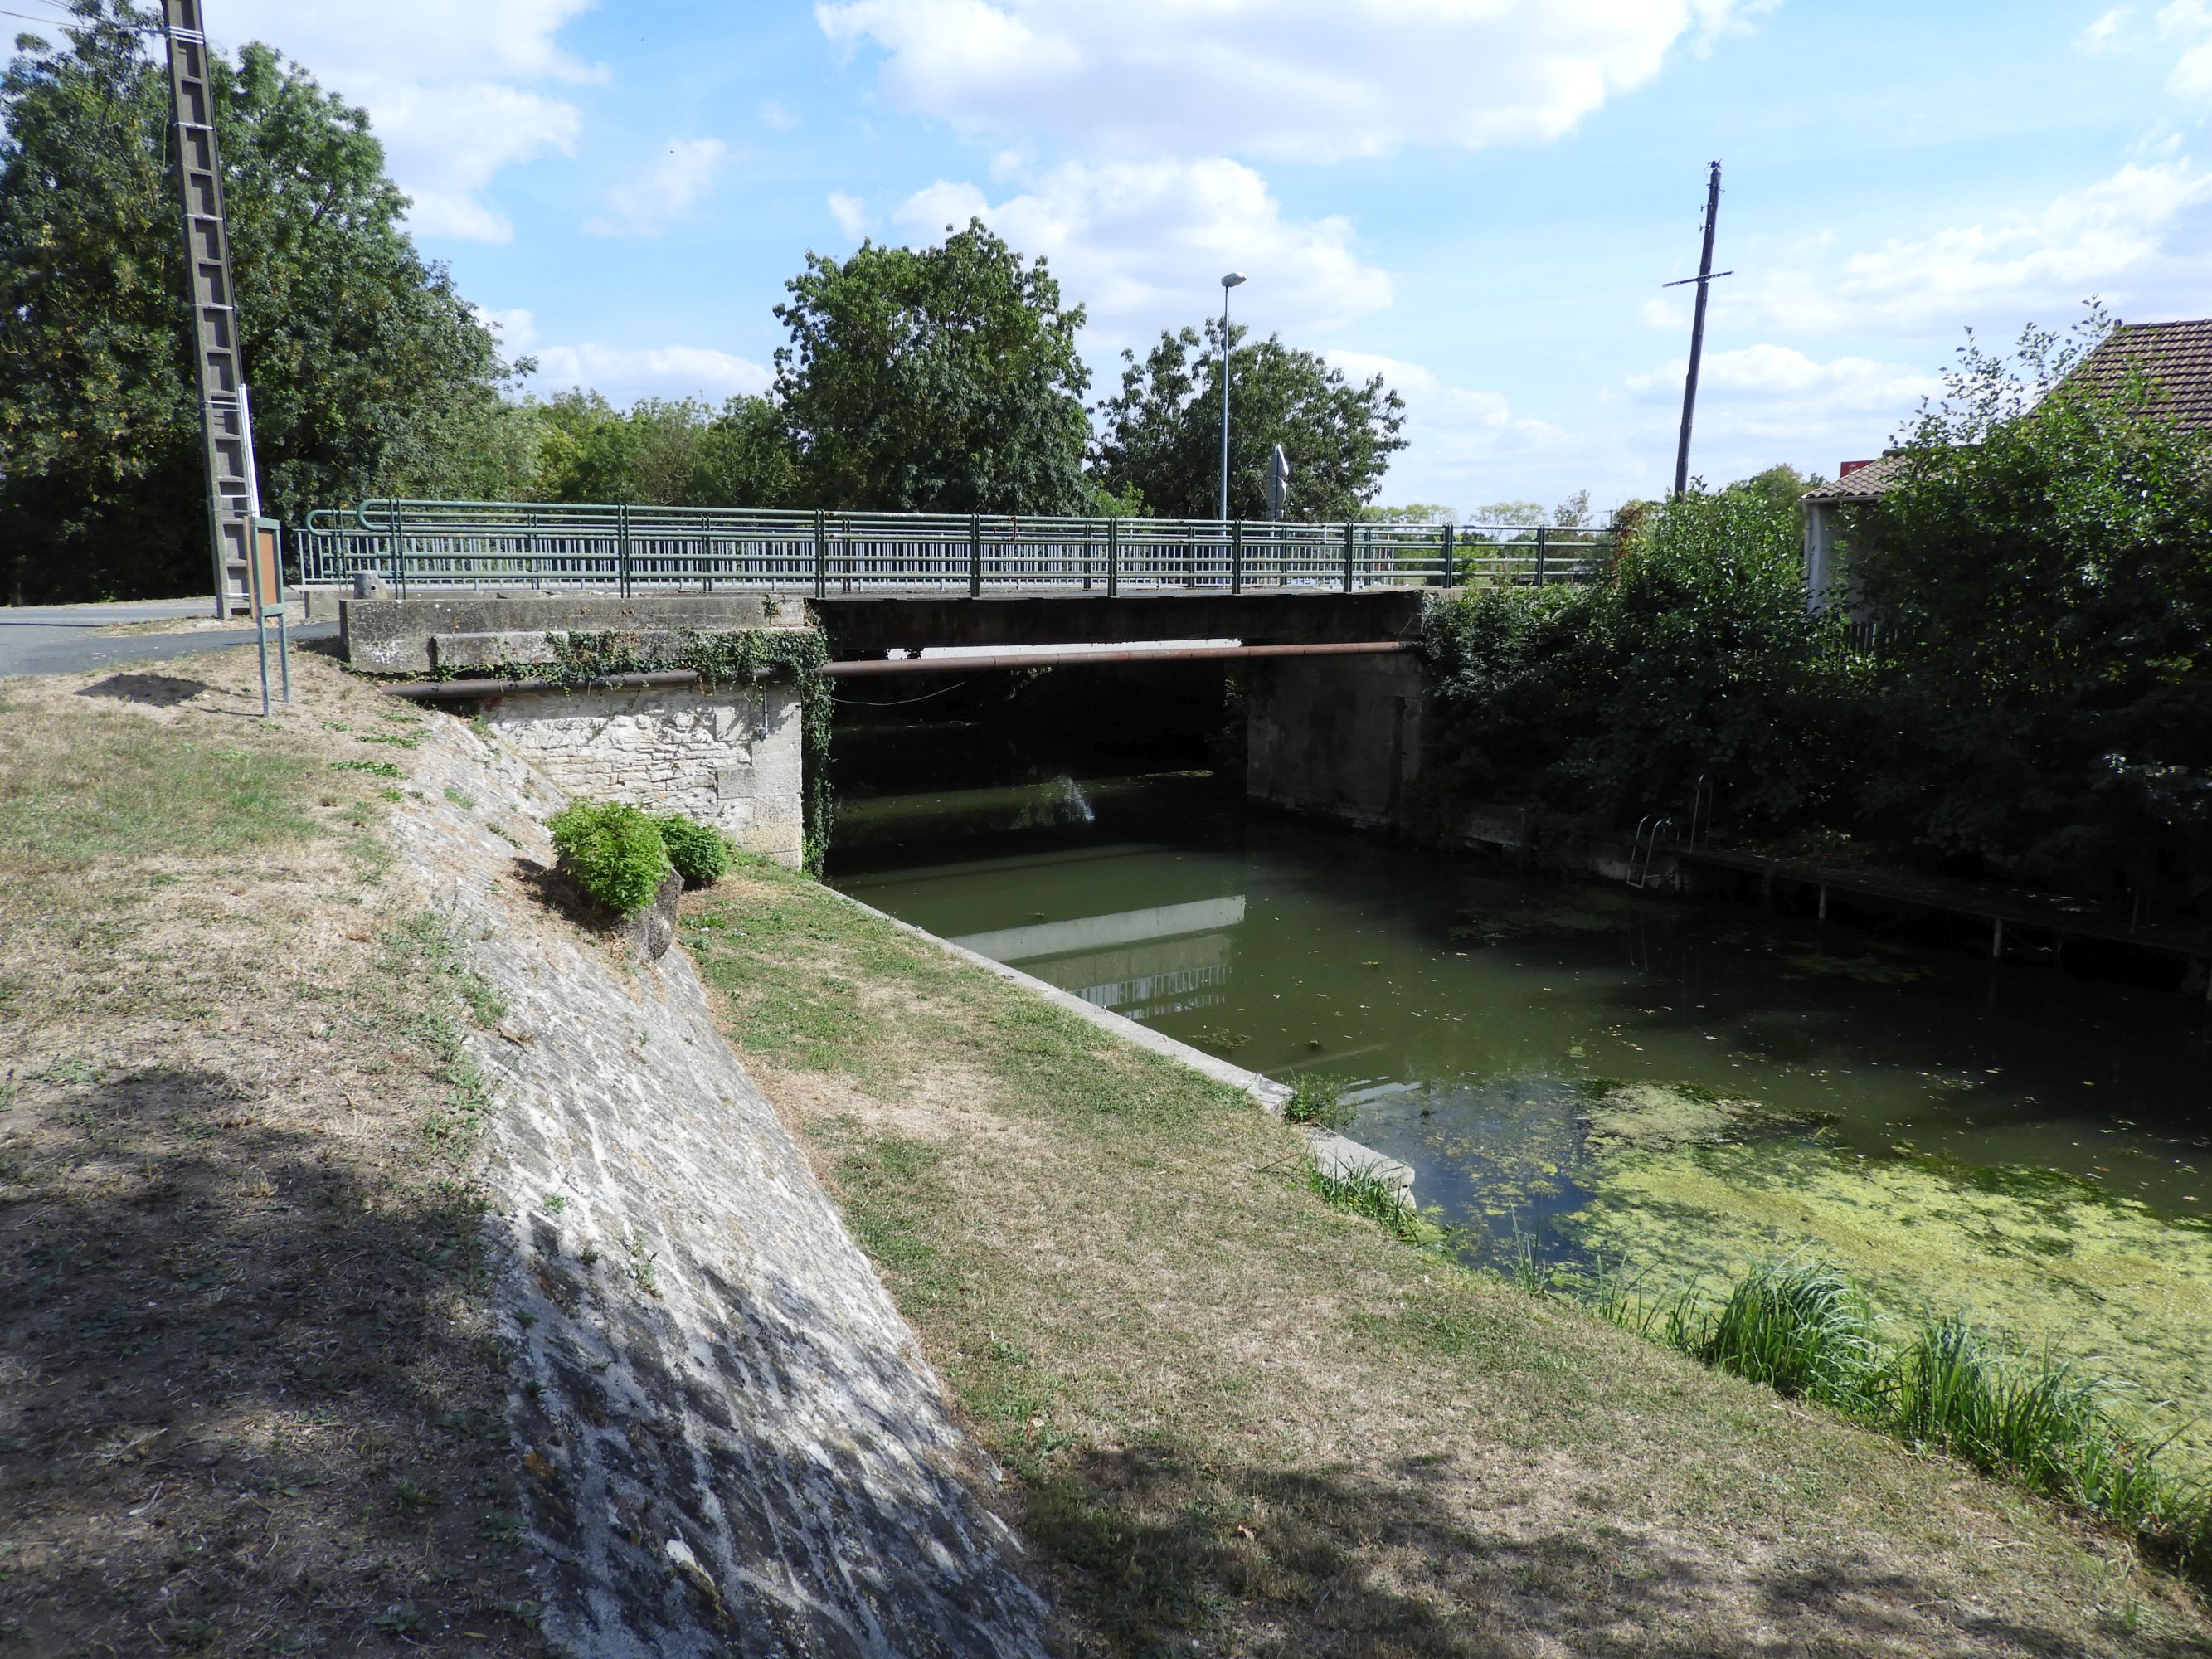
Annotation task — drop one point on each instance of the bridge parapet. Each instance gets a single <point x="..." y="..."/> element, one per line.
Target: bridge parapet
<point x="416" y="545"/>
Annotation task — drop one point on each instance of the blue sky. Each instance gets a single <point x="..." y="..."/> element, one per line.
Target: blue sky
<point x="1479" y="197"/>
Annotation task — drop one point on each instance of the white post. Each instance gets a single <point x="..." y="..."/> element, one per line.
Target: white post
<point x="1820" y="553"/>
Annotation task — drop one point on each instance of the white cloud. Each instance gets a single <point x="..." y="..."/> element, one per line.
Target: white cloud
<point x="678" y="180"/>
<point x="456" y="92"/>
<point x="1145" y="244"/>
<point x="1466" y="446"/>
<point x="626" y="374"/>
<point x="2105" y="29"/>
<point x="2189" y="21"/>
<point x="1783" y="376"/>
<point x="1302" y="80"/>
<point x="773" y="114"/>
<point x="2122" y="237"/>
<point x="1763" y="403"/>
<point x="850" y="213"/>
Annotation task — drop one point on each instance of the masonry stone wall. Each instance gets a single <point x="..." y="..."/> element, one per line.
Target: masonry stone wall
<point x="731" y="757"/>
<point x="730" y="1442"/>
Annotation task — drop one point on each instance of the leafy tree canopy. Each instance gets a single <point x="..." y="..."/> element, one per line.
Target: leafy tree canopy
<point x="937" y="379"/>
<point x="1696" y="656"/>
<point x="1160" y="438"/>
<point x="670" y="451"/>
<point x="2042" y="574"/>
<point x="370" y="373"/>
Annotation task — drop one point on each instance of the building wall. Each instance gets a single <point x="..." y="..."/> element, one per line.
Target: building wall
<point x="731" y="758"/>
<point x="1337" y="737"/>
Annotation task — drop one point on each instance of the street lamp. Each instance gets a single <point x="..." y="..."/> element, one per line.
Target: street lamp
<point x="1227" y="283"/>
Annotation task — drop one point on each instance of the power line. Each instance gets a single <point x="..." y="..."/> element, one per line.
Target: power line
<point x="900" y="702"/>
<point x="72" y="19"/>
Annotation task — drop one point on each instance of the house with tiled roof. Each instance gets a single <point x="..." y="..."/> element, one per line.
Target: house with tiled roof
<point x="2175" y="358"/>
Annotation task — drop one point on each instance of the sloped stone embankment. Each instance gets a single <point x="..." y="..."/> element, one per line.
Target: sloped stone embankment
<point x="733" y="1443"/>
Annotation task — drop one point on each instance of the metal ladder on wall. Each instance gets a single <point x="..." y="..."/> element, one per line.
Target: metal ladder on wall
<point x="226" y="418"/>
<point x="1645" y="848"/>
<point x="1654" y="828"/>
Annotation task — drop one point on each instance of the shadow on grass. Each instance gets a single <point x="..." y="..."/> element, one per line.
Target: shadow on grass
<point x="155" y="691"/>
<point x="242" y="1407"/>
<point x="1165" y="1551"/>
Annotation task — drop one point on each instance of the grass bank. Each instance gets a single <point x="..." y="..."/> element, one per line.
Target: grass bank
<point x="250" y="1400"/>
<point x="1242" y="1420"/>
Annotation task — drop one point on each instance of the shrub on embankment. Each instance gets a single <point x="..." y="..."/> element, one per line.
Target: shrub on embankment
<point x="618" y="856"/>
<point x="2035" y="701"/>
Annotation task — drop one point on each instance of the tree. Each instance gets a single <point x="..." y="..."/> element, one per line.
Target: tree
<point x="1412" y="513"/>
<point x="677" y="451"/>
<point x="370" y="373"/>
<point x="2042" y="570"/>
<point x="1161" y="437"/>
<point x="938" y="379"/>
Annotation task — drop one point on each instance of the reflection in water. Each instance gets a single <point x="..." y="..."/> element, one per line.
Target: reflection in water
<point x="1167" y="959"/>
<point x="1611" y="1075"/>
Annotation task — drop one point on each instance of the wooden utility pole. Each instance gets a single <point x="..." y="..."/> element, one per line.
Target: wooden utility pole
<point x="1704" y="279"/>
<point x="217" y="362"/>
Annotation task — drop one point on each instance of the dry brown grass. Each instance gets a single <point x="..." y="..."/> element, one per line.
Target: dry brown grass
<point x="1241" y="1422"/>
<point x="251" y="1402"/>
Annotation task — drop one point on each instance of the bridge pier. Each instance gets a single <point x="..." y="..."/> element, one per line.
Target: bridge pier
<point x="1335" y="737"/>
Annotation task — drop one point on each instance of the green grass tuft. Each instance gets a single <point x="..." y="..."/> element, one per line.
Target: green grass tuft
<point x="1799" y="1328"/>
<point x="1363" y="1192"/>
<point x="1805" y="1329"/>
<point x="1317" y="1100"/>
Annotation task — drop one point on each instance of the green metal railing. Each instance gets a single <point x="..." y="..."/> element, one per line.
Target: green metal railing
<point x="434" y="545"/>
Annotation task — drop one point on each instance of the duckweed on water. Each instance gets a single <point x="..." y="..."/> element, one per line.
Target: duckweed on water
<point x="2048" y="1266"/>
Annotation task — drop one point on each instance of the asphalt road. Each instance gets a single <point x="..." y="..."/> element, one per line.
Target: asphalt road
<point x="65" y="639"/>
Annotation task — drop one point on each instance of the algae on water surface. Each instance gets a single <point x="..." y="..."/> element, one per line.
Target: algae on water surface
<point x="1689" y="1191"/>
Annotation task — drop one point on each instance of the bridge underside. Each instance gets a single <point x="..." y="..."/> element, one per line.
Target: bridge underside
<point x="871" y="624"/>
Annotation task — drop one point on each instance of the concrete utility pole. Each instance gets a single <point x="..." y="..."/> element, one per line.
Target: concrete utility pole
<point x="1704" y="279"/>
<point x="1227" y="283"/>
<point x="226" y="435"/>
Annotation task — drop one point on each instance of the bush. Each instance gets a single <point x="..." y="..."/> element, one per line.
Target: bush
<point x="613" y="852"/>
<point x="1695" y="657"/>
<point x="699" y="851"/>
<point x="2043" y="575"/>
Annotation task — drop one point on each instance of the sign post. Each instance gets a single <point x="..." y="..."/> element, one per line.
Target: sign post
<point x="265" y="572"/>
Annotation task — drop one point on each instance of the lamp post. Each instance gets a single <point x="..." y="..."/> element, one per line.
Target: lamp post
<point x="1227" y="283"/>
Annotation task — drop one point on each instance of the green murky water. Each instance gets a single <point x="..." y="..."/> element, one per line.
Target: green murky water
<point x="1683" y="1087"/>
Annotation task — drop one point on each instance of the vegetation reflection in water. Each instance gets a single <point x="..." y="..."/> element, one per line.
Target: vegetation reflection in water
<point x="1618" y="1084"/>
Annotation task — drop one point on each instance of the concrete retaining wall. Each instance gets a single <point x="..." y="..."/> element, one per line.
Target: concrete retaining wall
<point x="1337" y="737"/>
<point x="732" y="758"/>
<point x="470" y="629"/>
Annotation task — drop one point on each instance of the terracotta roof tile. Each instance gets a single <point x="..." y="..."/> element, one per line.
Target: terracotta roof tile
<point x="1866" y="484"/>
<point x="2176" y="356"/>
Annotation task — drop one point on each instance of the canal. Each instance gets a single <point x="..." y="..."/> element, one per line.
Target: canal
<point x="1608" y="1083"/>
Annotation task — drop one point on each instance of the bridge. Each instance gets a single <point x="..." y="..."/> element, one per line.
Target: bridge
<point x="1321" y="618"/>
